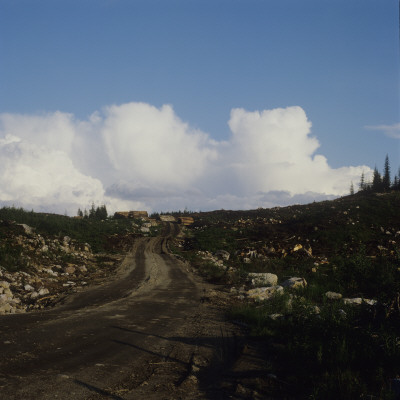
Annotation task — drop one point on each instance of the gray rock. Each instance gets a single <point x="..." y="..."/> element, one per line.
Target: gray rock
<point x="69" y="269"/>
<point x="4" y="284"/>
<point x="263" y="278"/>
<point x="263" y="293"/>
<point x="43" y="291"/>
<point x="333" y="295"/>
<point x="354" y="301"/>
<point x="295" y="283"/>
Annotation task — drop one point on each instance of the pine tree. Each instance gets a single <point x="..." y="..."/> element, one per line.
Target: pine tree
<point x="376" y="181"/>
<point x="92" y="211"/>
<point x="395" y="183"/>
<point x="362" y="182"/>
<point x="386" y="175"/>
<point x="351" y="188"/>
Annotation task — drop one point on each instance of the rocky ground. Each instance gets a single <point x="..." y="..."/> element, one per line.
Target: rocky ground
<point x="43" y="270"/>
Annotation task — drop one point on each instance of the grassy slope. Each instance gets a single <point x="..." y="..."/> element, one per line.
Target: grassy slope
<point x="343" y="351"/>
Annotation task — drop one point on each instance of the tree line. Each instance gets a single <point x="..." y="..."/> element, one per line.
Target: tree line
<point x="99" y="212"/>
<point x="380" y="182"/>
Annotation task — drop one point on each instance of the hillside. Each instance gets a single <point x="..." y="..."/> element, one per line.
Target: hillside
<point x="316" y="288"/>
<point x="45" y="257"/>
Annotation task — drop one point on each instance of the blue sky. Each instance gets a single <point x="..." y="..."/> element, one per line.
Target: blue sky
<point x="336" y="59"/>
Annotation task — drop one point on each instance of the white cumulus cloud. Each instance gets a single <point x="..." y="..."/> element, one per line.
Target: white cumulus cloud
<point x="136" y="155"/>
<point x="153" y="147"/>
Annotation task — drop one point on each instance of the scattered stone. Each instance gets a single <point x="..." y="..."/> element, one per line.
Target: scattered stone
<point x="297" y="247"/>
<point x="29" y="288"/>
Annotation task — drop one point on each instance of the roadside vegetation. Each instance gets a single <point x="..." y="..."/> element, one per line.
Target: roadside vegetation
<point x="336" y="335"/>
<point x="95" y="231"/>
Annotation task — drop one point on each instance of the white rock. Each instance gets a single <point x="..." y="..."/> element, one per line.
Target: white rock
<point x="43" y="291"/>
<point x="333" y="295"/>
<point x="5" y="308"/>
<point x="263" y="293"/>
<point x="263" y="278"/>
<point x="3" y="298"/>
<point x="29" y="288"/>
<point x="34" y="295"/>
<point x="353" y="301"/>
<point x="4" y="284"/>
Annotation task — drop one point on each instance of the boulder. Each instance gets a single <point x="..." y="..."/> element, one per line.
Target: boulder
<point x="4" y="284"/>
<point x="297" y="247"/>
<point x="370" y="302"/>
<point x="34" y="295"/>
<point x="43" y="291"/>
<point x="333" y="295"/>
<point x="295" y="283"/>
<point x="3" y="298"/>
<point x="354" y="301"/>
<point x="263" y="293"/>
<point x="29" y="288"/>
<point x="263" y="278"/>
<point x="5" y="308"/>
<point x="69" y="269"/>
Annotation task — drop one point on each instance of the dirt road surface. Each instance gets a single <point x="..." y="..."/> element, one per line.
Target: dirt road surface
<point x="148" y="333"/>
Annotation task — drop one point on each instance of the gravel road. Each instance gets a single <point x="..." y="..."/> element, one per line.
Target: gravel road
<point x="143" y="334"/>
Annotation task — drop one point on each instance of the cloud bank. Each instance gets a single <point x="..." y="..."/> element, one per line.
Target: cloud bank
<point x="135" y="155"/>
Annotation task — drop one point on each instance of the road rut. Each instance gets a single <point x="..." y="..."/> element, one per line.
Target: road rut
<point x="109" y="341"/>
